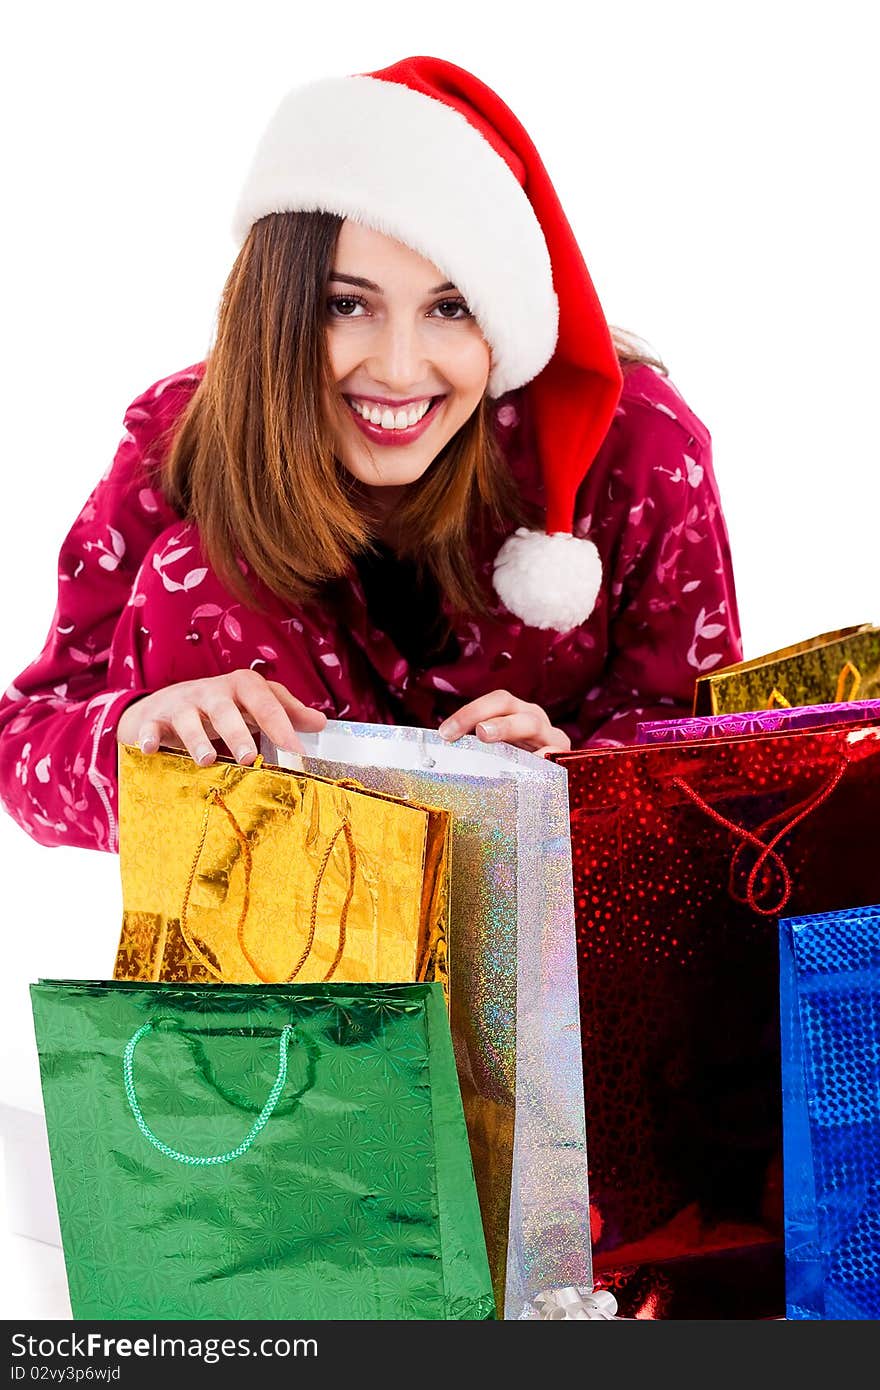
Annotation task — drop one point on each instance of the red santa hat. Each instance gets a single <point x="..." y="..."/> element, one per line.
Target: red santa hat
<point x="426" y="153"/>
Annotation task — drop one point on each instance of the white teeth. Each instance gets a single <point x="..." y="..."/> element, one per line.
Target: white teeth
<point x="404" y="418"/>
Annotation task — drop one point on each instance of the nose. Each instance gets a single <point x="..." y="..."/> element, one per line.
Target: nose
<point x="398" y="360"/>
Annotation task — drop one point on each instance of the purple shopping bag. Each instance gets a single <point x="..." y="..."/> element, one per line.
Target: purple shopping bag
<point x="760" y="721"/>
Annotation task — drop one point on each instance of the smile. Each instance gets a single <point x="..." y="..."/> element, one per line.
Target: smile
<point x="386" y="426"/>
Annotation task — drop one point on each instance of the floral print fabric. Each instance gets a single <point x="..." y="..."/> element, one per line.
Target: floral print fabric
<point x="139" y="608"/>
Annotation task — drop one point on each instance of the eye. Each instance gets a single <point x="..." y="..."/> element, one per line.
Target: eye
<point x="454" y="305"/>
<point x="345" y="305"/>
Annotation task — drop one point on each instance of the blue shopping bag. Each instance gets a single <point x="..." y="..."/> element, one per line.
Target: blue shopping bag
<point x="830" y="1017"/>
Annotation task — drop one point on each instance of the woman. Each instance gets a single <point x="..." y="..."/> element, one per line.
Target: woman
<point x="415" y="481"/>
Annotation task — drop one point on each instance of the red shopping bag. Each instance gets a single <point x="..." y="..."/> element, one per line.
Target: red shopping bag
<point x="685" y="856"/>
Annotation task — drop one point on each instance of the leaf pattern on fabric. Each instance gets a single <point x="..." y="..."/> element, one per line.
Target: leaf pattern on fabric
<point x="139" y="607"/>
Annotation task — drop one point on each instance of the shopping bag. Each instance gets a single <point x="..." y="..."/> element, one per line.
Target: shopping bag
<point x="763" y="721"/>
<point x="513" y="985"/>
<point x="684" y="857"/>
<point x="830" y="1006"/>
<point x="260" y="875"/>
<point x="833" y="667"/>
<point x="259" y="1151"/>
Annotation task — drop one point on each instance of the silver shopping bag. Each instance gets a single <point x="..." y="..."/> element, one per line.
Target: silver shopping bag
<point x="513" y="984"/>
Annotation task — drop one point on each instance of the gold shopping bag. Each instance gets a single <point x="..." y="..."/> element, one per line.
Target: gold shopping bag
<point x="249" y="875"/>
<point x="832" y="668"/>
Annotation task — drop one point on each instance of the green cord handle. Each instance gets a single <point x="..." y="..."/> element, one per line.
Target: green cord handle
<point x="196" y="1159"/>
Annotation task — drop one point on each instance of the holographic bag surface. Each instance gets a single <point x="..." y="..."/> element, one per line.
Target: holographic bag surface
<point x="830" y="1005"/>
<point x="250" y="875"/>
<point x="833" y="667"/>
<point x="265" y="1151"/>
<point x="762" y="721"/>
<point x="513" y="985"/>
<point x="684" y="857"/>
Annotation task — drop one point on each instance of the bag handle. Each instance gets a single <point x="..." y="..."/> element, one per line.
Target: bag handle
<point x="343" y="829"/>
<point x="199" y="1160"/>
<point x="848" y="671"/>
<point x="776" y="700"/>
<point x="213" y="798"/>
<point x="768" y="853"/>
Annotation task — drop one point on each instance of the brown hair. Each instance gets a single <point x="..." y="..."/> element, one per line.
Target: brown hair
<point x="252" y="462"/>
<point x="632" y="351"/>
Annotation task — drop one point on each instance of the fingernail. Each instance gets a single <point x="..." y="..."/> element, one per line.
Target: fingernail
<point x="489" y="730"/>
<point x="449" y="730"/>
<point x="204" y="754"/>
<point x="244" y="752"/>
<point x="149" y="745"/>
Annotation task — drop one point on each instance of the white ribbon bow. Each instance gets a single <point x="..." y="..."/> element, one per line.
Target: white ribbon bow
<point x="573" y="1303"/>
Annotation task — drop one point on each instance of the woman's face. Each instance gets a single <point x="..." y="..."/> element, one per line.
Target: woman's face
<point x="407" y="356"/>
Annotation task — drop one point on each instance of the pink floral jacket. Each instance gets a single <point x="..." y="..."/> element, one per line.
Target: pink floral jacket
<point x="140" y="608"/>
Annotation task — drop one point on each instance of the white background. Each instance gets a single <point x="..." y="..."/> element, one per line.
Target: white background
<point x="717" y="163"/>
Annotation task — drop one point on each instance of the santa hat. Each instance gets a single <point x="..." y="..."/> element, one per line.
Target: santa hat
<point x="426" y="153"/>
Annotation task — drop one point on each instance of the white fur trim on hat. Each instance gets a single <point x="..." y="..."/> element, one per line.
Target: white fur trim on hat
<point x="548" y="581"/>
<point x="414" y="169"/>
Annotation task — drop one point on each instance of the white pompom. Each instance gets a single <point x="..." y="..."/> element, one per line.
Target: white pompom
<point x="548" y="581"/>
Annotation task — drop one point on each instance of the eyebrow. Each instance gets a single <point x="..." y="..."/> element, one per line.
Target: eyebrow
<point x="368" y="284"/>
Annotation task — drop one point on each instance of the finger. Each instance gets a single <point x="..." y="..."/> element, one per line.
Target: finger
<point x="529" y="729"/>
<point x="187" y="724"/>
<point x="153" y="729"/>
<point x="149" y="736"/>
<point x="170" y="740"/>
<point x="229" y="724"/>
<point x="561" y="745"/>
<point x="302" y="716"/>
<point x="465" y="720"/>
<point x="271" y="716"/>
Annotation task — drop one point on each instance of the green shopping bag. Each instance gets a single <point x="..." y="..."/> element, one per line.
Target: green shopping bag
<point x="259" y="1151"/>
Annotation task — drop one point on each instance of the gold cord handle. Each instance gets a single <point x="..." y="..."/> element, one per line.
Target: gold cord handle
<point x="343" y="829"/>
<point x="853" y="672"/>
<point x="776" y="700"/>
<point x="214" y="798"/>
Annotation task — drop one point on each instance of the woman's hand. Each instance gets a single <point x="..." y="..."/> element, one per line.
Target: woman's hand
<point x="228" y="708"/>
<point x="502" y="718"/>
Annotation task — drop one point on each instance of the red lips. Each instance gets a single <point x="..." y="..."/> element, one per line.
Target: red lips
<point x="396" y="437"/>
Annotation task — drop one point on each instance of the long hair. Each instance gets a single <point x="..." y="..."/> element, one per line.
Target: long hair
<point x="632" y="351"/>
<point x="252" y="460"/>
